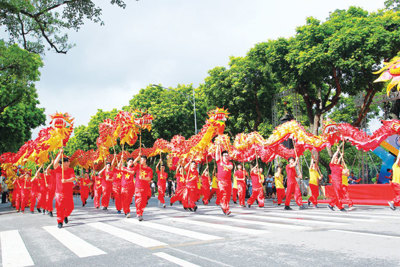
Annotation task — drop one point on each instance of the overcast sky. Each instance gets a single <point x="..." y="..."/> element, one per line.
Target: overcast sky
<point x="169" y="42"/>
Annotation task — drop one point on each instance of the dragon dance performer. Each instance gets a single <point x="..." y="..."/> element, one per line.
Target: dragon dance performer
<point x="85" y="183"/>
<point x="51" y="185"/>
<point x="205" y="185"/>
<point x="180" y="187"/>
<point x="345" y="186"/>
<point x="35" y="191"/>
<point x="98" y="189"/>
<point x="192" y="178"/>
<point x="41" y="198"/>
<point x="144" y="175"/>
<point x="280" y="188"/>
<point x="395" y="184"/>
<point x="224" y="174"/>
<point x="107" y="174"/>
<point x="215" y="190"/>
<point x="292" y="184"/>
<point x="240" y="176"/>
<point x="18" y="183"/>
<point x="257" y="181"/>
<point x="64" y="188"/>
<point x="315" y="177"/>
<point x="336" y="174"/>
<point x="127" y="186"/>
<point x="117" y="189"/>
<point x="161" y="182"/>
<point x="234" y="188"/>
<point x="26" y="191"/>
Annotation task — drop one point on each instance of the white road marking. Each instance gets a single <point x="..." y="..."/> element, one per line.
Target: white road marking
<point x="13" y="250"/>
<point x="329" y="217"/>
<point x="175" y="230"/>
<point x="364" y="233"/>
<point x="80" y="247"/>
<point x="127" y="235"/>
<point x="225" y="227"/>
<point x="175" y="260"/>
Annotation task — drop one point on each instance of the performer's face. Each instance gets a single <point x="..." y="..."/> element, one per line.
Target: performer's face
<point x="142" y="161"/>
<point x="193" y="165"/>
<point x="162" y="168"/>
<point x="130" y="162"/>
<point x="240" y="167"/>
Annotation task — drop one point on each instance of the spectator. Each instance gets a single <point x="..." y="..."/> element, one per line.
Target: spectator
<point x="352" y="179"/>
<point x="169" y="187"/>
<point x="153" y="188"/>
<point x="4" y="190"/>
<point x="269" y="184"/>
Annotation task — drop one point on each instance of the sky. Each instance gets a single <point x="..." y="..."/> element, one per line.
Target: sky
<point x="164" y="42"/>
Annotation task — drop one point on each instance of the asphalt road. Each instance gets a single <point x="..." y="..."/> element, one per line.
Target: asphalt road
<point x="270" y="236"/>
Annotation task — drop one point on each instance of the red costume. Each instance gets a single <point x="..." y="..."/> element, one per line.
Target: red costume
<point x="34" y="193"/>
<point x="161" y="185"/>
<point x="107" y="183"/>
<point x="25" y="193"/>
<point x="51" y="185"/>
<point x="241" y="185"/>
<point x="205" y="188"/>
<point x="84" y="184"/>
<point x="117" y="189"/>
<point x="17" y="193"/>
<point x="97" y="191"/>
<point x="42" y="192"/>
<point x="224" y="184"/>
<point x="64" y="193"/>
<point x="144" y="174"/>
<point x="191" y="185"/>
<point x="336" y="174"/>
<point x="292" y="187"/>
<point x="257" y="190"/>
<point x="128" y="189"/>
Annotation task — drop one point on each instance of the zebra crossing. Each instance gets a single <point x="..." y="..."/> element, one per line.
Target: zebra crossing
<point x="95" y="234"/>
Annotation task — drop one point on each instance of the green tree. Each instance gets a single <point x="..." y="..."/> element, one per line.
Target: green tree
<point x="246" y="89"/>
<point x="392" y="5"/>
<point x="36" y="24"/>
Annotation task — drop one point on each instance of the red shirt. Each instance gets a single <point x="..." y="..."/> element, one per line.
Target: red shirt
<point x="255" y="180"/>
<point x="291" y="174"/>
<point x="109" y="175"/>
<point x="223" y="173"/>
<point x="60" y="186"/>
<point x="127" y="178"/>
<point x="85" y="181"/>
<point x="27" y="184"/>
<point x="192" y="178"/>
<point x="336" y="171"/>
<point x="162" y="178"/>
<point x="240" y="174"/>
<point x="144" y="174"/>
<point x="205" y="181"/>
<point x="117" y="177"/>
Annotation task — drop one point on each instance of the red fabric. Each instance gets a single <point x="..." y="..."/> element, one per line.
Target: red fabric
<point x="257" y="193"/>
<point x="314" y="194"/>
<point x="280" y="194"/>
<point x="64" y="206"/>
<point x="205" y="188"/>
<point x="255" y="180"/>
<point x="223" y="173"/>
<point x="336" y="172"/>
<point x="60" y="186"/>
<point x="368" y="194"/>
<point x="234" y="194"/>
<point x="218" y="196"/>
<point x="346" y="198"/>
<point x="396" y="191"/>
<point x="98" y="189"/>
<point x="336" y="198"/>
<point x="225" y="189"/>
<point x="293" y="188"/>
<point x="140" y="200"/>
<point x="117" y="196"/>
<point x="126" y="197"/>
<point x="192" y="179"/>
<point x="161" y="185"/>
<point x="144" y="174"/>
<point x="240" y="174"/>
<point x="241" y="192"/>
<point x="291" y="174"/>
<point x="25" y="195"/>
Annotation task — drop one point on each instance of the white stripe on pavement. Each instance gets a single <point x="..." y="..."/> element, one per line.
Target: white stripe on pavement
<point x="175" y="260"/>
<point x="364" y="233"/>
<point x="268" y="224"/>
<point x="13" y="250"/>
<point x="175" y="230"/>
<point x="222" y="227"/>
<point x="291" y="220"/>
<point x="80" y="247"/>
<point x="127" y="235"/>
<point x="328" y="217"/>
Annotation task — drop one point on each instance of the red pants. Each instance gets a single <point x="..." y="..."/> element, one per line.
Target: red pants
<point x="336" y="199"/>
<point x="293" y="188"/>
<point x="234" y="194"/>
<point x="64" y="205"/>
<point x="105" y="200"/>
<point x="192" y="197"/>
<point x="396" y="191"/>
<point x="84" y="194"/>
<point x="126" y="198"/>
<point x="25" y="195"/>
<point x="33" y="197"/>
<point x="241" y="192"/>
<point x="314" y="194"/>
<point x="117" y="196"/>
<point x="17" y="199"/>
<point x="50" y="198"/>
<point x="346" y="198"/>
<point x="280" y="194"/>
<point x="42" y="199"/>
<point x="161" y="193"/>
<point x="205" y="191"/>
<point x="225" y="189"/>
<point x="215" y="191"/>
<point x="97" y="196"/>
<point x="141" y="197"/>
<point x="257" y="193"/>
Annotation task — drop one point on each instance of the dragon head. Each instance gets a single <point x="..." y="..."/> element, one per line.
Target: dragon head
<point x="217" y="118"/>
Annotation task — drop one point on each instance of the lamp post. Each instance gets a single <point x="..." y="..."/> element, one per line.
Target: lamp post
<point x="191" y="100"/>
